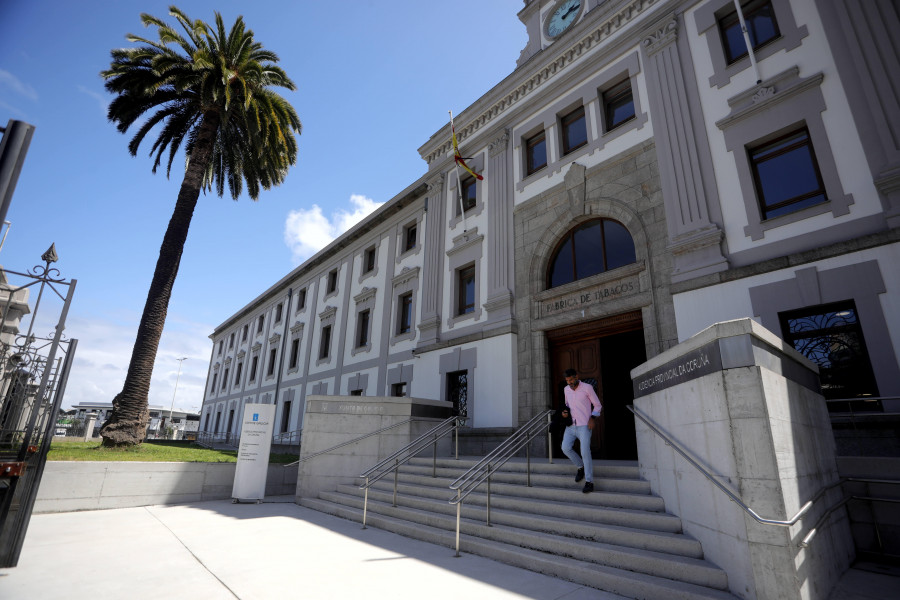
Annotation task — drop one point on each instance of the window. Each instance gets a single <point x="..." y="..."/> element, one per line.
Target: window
<point x="362" y="329"/>
<point x="593" y="247"/>
<point x="212" y="388"/>
<point x="356" y="392"/>
<point x="237" y="373"/>
<point x="830" y="336"/>
<point x="369" y="260"/>
<point x="271" y="370"/>
<point x="618" y="105"/>
<point x="225" y="380"/>
<point x="285" y="416"/>
<point x="409" y="237"/>
<point x="254" y="364"/>
<point x="301" y="299"/>
<point x="465" y="290"/>
<point x="325" y="343"/>
<point x="295" y="353"/>
<point x="458" y="391"/>
<point x="404" y="313"/>
<point x="468" y="195"/>
<point x="398" y="390"/>
<point x="221" y="346"/>
<point x="535" y="153"/>
<point x="574" y="130"/>
<point x="786" y="175"/>
<point x="762" y="28"/>
<point x="244" y="333"/>
<point x="231" y="341"/>
<point x="332" y="281"/>
<point x="278" y="311"/>
<point x="259" y="324"/>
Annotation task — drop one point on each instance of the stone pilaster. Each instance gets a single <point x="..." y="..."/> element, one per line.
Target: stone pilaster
<point x="685" y="166"/>
<point x="432" y="273"/>
<point x="499" y="302"/>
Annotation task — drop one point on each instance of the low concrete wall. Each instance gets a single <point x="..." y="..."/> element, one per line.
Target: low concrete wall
<point x="70" y="486"/>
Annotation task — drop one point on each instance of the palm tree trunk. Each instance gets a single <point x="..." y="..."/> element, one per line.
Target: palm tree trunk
<point x="127" y="423"/>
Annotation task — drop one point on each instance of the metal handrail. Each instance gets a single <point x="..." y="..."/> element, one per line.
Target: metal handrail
<point x="407" y="453"/>
<point x="731" y="496"/>
<point x="353" y="441"/>
<point x="812" y="532"/>
<point x="290" y="436"/>
<point x="469" y="481"/>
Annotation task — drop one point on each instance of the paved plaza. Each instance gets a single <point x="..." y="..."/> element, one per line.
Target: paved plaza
<point x="213" y="550"/>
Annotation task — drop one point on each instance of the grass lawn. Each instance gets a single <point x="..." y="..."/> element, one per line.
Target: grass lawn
<point x="150" y="451"/>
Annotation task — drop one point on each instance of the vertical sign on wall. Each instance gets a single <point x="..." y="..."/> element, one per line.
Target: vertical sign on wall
<point x="253" y="454"/>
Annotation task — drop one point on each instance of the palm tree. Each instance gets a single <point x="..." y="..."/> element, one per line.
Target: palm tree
<point x="208" y="89"/>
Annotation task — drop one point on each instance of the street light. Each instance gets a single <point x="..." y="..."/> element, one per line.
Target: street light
<point x="177" y="377"/>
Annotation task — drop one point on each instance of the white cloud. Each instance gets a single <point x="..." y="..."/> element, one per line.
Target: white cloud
<point x="308" y="231"/>
<point x="104" y="349"/>
<point x="102" y="101"/>
<point x="12" y="82"/>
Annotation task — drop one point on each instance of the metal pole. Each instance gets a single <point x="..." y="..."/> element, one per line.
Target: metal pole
<point x="366" y="503"/>
<point x="396" y="477"/>
<point x="489" y="497"/>
<point x="434" y="458"/>
<point x="458" y="510"/>
<point x="456" y="436"/>
<point x="177" y="377"/>
<point x="528" y="461"/>
<point x="549" y="439"/>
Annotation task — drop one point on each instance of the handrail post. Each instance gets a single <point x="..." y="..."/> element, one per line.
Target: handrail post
<point x="550" y="438"/>
<point x="456" y="437"/>
<point x="396" y="478"/>
<point x="366" y="503"/>
<point x="528" y="462"/>
<point x="434" y="458"/>
<point x="458" y="511"/>
<point x="489" y="496"/>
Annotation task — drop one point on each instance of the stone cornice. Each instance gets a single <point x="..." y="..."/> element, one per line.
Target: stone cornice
<point x="610" y="25"/>
<point x="297" y="328"/>
<point x="366" y="294"/>
<point x="405" y="275"/>
<point x="329" y="312"/>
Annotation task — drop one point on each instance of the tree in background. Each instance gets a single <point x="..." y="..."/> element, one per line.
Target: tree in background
<point x="208" y="89"/>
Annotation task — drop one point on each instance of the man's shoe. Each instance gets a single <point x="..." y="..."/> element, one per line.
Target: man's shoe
<point x="588" y="488"/>
<point x="579" y="475"/>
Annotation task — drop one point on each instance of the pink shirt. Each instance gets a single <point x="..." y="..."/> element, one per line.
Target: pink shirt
<point x="580" y="400"/>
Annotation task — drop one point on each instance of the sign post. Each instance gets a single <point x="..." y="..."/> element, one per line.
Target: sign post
<point x="253" y="454"/>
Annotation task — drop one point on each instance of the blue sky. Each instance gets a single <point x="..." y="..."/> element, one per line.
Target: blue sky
<point x="375" y="80"/>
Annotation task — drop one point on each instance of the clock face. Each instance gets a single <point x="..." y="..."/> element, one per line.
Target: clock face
<point x="562" y="17"/>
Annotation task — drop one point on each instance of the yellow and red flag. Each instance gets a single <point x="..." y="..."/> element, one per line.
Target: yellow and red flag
<point x="457" y="156"/>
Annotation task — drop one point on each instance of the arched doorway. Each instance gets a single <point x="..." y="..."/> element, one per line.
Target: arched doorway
<point x="603" y="352"/>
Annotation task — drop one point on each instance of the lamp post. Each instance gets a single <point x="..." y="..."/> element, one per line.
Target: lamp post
<point x="177" y="377"/>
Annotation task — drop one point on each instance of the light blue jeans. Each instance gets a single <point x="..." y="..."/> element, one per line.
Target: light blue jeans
<point x="583" y="435"/>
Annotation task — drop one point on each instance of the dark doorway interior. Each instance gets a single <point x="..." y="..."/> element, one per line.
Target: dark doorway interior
<point x="603" y="352"/>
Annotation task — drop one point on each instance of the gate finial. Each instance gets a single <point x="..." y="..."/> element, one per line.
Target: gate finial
<point x="50" y="255"/>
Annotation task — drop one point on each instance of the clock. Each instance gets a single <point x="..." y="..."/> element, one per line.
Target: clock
<point x="562" y="17"/>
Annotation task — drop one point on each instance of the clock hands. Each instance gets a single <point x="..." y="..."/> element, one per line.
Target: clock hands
<point x="568" y="12"/>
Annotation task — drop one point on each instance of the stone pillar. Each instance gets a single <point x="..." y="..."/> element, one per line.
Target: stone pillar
<point x="332" y="420"/>
<point x="499" y="302"/>
<point x="747" y="407"/>
<point x="685" y="166"/>
<point x="433" y="269"/>
<point x="89" y="426"/>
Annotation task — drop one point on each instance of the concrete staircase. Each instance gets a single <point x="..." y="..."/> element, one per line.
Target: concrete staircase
<point x="618" y="538"/>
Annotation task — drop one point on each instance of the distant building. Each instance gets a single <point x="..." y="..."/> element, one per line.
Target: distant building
<point x="159" y="416"/>
<point x="642" y="180"/>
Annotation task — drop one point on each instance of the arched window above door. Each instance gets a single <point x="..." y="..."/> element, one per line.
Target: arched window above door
<point x="590" y="248"/>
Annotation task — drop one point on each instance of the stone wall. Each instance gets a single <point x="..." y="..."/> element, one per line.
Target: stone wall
<point x="626" y="189"/>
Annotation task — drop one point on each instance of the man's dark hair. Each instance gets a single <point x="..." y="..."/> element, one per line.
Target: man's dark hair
<point x="570" y="373"/>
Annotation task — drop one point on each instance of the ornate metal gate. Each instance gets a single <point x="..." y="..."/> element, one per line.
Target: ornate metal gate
<point x="34" y="367"/>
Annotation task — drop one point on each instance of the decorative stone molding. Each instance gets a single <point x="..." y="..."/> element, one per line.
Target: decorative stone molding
<point x="661" y="37"/>
<point x="465" y="240"/>
<point x="435" y="184"/>
<point x="763" y="94"/>
<point x="366" y="294"/>
<point x="499" y="145"/>
<point x="241" y="354"/>
<point x="274" y="339"/>
<point x="328" y="313"/>
<point x="297" y="329"/>
<point x="255" y="347"/>
<point x="405" y="276"/>
<point x="604" y="30"/>
<point x="228" y="361"/>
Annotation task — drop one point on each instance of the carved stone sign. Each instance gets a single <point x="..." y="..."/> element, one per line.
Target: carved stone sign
<point x="590" y="296"/>
<point x="692" y="365"/>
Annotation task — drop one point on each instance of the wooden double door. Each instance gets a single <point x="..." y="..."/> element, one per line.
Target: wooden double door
<point x="603" y="352"/>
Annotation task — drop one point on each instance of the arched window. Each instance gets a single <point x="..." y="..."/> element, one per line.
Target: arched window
<point x="593" y="247"/>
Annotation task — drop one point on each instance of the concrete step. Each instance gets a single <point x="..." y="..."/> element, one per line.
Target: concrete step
<point x="566" y="506"/>
<point x="613" y="579"/>
<point x="608" y="484"/>
<point x="663" y="542"/>
<point x="571" y="492"/>
<point x="620" y="469"/>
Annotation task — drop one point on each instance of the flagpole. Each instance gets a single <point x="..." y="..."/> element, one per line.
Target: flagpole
<point x="462" y="209"/>
<point x="740" y="13"/>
